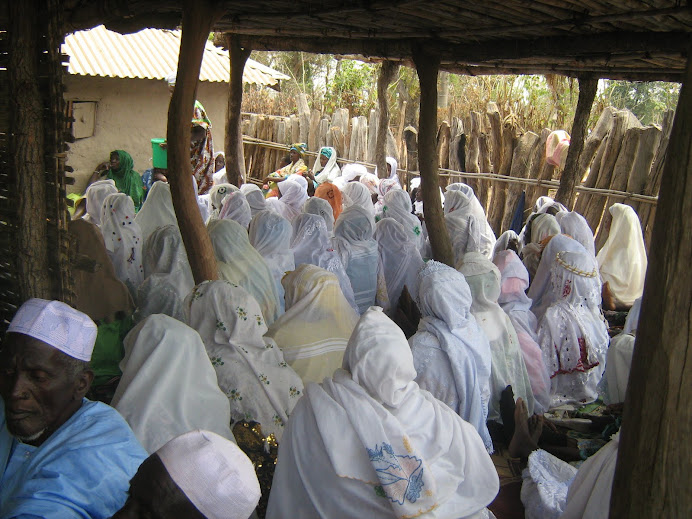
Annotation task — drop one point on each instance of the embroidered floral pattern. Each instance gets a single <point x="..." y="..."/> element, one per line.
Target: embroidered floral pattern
<point x="416" y="230"/>
<point x="293" y="392"/>
<point x="196" y="294"/>
<point x="278" y="421"/>
<point x="220" y="326"/>
<point x="283" y="364"/>
<point x="401" y="475"/>
<point x="263" y="378"/>
<point x="268" y="346"/>
<point x="216" y="361"/>
<point x="259" y="320"/>
<point x="242" y="313"/>
<point x="234" y="394"/>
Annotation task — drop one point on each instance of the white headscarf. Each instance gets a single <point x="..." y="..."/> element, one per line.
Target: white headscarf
<point x="330" y="172"/>
<point x="613" y="385"/>
<point x="251" y="370"/>
<point x="317" y="324"/>
<point x="572" y="333"/>
<point x="168" y="385"/>
<point x="240" y="263"/>
<point x="542" y="226"/>
<point x="123" y="239"/>
<point x="384" y="187"/>
<point x="576" y="226"/>
<point x="503" y="242"/>
<point x="357" y="194"/>
<point x="95" y="194"/>
<point x="349" y="173"/>
<point x="353" y="240"/>
<point x="310" y="245"/>
<point x="235" y="207"/>
<point x="293" y="196"/>
<point x="157" y="296"/>
<point x="400" y="260"/>
<point x="270" y="234"/>
<point x="465" y="233"/>
<point x="321" y="207"/>
<point x="508" y="367"/>
<point x="397" y="205"/>
<point x="513" y="300"/>
<point x="540" y="291"/>
<point x="622" y="260"/>
<point x="459" y="199"/>
<point x="450" y="351"/>
<point x="216" y="196"/>
<point x="165" y="260"/>
<point x="157" y="210"/>
<point x="253" y="195"/>
<point x="387" y="449"/>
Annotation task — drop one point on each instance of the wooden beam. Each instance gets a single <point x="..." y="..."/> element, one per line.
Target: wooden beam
<point x="652" y="477"/>
<point x="27" y="149"/>
<point x="387" y="72"/>
<point x="198" y="17"/>
<point x="571" y="174"/>
<point x="428" y="67"/>
<point x="235" y="160"/>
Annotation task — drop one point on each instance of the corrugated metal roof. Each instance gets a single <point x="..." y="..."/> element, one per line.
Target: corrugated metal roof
<point x="151" y="54"/>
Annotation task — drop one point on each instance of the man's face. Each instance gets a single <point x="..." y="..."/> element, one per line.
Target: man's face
<point x="115" y="161"/>
<point x="154" y="495"/>
<point x="40" y="394"/>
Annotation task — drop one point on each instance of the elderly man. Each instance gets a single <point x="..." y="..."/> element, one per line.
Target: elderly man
<point x="197" y="475"/>
<point x="61" y="455"/>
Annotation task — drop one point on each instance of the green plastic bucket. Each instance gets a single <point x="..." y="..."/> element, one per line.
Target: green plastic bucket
<point x="159" y="154"/>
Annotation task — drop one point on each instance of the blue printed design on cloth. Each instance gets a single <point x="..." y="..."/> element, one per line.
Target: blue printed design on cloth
<point x="401" y="476"/>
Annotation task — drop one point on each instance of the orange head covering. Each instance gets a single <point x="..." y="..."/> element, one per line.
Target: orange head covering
<point x="331" y="194"/>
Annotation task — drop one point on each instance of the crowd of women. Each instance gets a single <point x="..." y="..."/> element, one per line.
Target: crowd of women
<point x="303" y="333"/>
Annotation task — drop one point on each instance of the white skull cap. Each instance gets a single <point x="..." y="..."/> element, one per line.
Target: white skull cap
<point x="215" y="475"/>
<point x="58" y="325"/>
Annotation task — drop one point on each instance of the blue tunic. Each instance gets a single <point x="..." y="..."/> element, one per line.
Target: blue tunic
<point x="82" y="470"/>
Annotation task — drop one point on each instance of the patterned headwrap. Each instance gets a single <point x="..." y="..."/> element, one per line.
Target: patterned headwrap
<point x="326" y="151"/>
<point x="300" y="148"/>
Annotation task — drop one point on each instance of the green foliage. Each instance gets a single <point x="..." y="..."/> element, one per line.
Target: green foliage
<point x="353" y="86"/>
<point x="648" y="101"/>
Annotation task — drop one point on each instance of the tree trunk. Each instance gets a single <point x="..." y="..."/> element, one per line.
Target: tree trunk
<point x="427" y="67"/>
<point x="652" y="477"/>
<point x="198" y="17"/>
<point x="521" y="165"/>
<point x="27" y="150"/>
<point x="571" y="176"/>
<point x="387" y="72"/>
<point x="235" y="161"/>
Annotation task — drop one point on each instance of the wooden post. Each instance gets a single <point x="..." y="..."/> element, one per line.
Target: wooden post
<point x="387" y="72"/>
<point x="27" y="150"/>
<point x="198" y="17"/>
<point x="521" y="164"/>
<point x="427" y="67"/>
<point x="652" y="477"/>
<point x="571" y="175"/>
<point x="235" y="161"/>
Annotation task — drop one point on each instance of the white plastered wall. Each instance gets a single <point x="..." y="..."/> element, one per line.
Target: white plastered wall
<point x="129" y="113"/>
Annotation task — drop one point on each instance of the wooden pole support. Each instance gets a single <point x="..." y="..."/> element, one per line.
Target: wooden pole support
<point x="652" y="477"/>
<point x="570" y="176"/>
<point x="198" y="17"/>
<point x="427" y="67"/>
<point x="235" y="160"/>
<point x="387" y="71"/>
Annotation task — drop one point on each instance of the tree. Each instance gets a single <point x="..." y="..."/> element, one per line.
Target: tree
<point x="648" y="101"/>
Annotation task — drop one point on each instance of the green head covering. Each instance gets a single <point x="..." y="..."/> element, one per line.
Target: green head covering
<point x="327" y="152"/>
<point x="127" y="180"/>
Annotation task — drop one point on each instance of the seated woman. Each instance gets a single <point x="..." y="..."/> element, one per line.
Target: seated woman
<point x="216" y="195"/>
<point x="127" y="180"/>
<point x="356" y="193"/>
<point x="95" y="194"/>
<point x="622" y="261"/>
<point x="573" y="334"/>
<point x="255" y="198"/>
<point x="464" y="233"/>
<point x="292" y="195"/>
<point x="397" y="205"/>
<point x="251" y="370"/>
<point x="123" y="239"/>
<point x="508" y="367"/>
<point x="235" y="207"/>
<point x="331" y="194"/>
<point x="270" y="234"/>
<point x="353" y="240"/>
<point x="517" y="306"/>
<point x="202" y="150"/>
<point x="400" y="259"/>
<point x="460" y="199"/>
<point x="370" y="443"/>
<point x="322" y="208"/>
<point x="575" y="225"/>
<point x="165" y="260"/>
<point x="166" y="376"/>
<point x="310" y="244"/>
<point x="613" y="385"/>
<point x="326" y="169"/>
<point x="157" y="211"/>
<point x="451" y="353"/>
<point x="240" y="263"/>
<point x="317" y="324"/>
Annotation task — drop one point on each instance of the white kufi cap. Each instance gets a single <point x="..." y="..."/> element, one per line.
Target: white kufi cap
<point x="58" y="325"/>
<point x="215" y="475"/>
